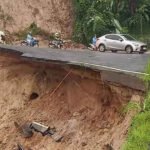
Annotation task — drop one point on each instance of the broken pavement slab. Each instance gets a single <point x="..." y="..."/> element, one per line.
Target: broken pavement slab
<point x="27" y="130"/>
<point x="123" y="79"/>
<point x="46" y="130"/>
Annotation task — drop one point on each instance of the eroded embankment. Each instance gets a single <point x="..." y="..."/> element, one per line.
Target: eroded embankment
<point x="84" y="109"/>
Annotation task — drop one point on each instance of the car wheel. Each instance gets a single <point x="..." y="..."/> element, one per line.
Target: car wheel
<point x="113" y="51"/>
<point x="101" y="48"/>
<point x="129" y="49"/>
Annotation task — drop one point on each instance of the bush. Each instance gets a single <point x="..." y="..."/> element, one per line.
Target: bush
<point x="139" y="133"/>
<point x="35" y="31"/>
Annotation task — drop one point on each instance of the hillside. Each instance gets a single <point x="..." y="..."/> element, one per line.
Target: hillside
<point x="52" y="16"/>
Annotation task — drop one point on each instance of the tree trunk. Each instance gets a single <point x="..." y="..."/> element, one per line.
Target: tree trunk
<point x="117" y="5"/>
<point x="141" y="24"/>
<point x="132" y="6"/>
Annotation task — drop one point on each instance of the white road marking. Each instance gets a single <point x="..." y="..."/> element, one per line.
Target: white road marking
<point x="111" y="68"/>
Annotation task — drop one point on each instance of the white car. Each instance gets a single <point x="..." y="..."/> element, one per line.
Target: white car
<point x="120" y="42"/>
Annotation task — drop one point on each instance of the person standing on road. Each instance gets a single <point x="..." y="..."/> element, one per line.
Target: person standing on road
<point x="94" y="39"/>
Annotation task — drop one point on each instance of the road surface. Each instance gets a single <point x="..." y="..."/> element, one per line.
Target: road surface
<point x="121" y="62"/>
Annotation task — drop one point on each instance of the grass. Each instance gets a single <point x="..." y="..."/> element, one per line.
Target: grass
<point x="130" y="107"/>
<point x="139" y="132"/>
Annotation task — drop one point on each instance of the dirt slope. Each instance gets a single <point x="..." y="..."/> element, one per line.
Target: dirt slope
<point x="51" y="15"/>
<point x="86" y="111"/>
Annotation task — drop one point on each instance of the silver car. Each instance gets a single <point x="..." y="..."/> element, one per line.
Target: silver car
<point x="120" y="42"/>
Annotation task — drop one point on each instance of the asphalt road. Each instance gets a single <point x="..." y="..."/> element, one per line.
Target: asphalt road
<point x="121" y="62"/>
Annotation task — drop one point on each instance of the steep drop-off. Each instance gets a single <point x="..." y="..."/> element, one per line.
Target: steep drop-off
<point x="84" y="109"/>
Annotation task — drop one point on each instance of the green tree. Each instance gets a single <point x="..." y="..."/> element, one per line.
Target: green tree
<point x="141" y="15"/>
<point x="95" y="16"/>
<point x="106" y="16"/>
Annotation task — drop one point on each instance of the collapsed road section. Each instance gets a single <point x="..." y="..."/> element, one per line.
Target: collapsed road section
<point x="82" y="103"/>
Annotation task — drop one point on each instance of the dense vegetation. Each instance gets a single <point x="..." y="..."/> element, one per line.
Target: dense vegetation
<point x="107" y="16"/>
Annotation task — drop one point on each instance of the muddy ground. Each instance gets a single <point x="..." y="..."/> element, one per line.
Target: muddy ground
<point x="84" y="109"/>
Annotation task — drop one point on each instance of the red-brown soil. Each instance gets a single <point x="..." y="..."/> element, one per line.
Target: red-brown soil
<point x="84" y="109"/>
<point x="50" y="15"/>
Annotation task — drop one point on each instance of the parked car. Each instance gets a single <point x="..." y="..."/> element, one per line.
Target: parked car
<point x="120" y="42"/>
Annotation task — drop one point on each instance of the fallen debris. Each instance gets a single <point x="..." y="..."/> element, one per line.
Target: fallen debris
<point x="45" y="130"/>
<point x="25" y="130"/>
